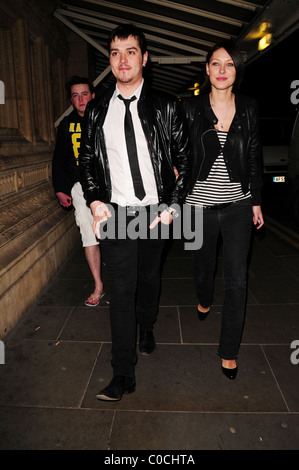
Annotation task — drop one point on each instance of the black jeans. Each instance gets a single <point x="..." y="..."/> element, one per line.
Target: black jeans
<point x="133" y="267"/>
<point x="234" y="223"/>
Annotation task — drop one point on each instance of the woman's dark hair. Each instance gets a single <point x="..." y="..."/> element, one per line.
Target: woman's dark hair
<point x="77" y="80"/>
<point x="236" y="56"/>
<point x="124" y="31"/>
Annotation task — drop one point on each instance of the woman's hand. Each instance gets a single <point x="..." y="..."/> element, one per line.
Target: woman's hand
<point x="258" y="218"/>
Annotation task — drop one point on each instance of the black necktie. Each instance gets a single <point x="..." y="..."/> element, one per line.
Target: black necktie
<point x="132" y="150"/>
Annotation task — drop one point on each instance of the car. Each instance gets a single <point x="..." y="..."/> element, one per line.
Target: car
<point x="275" y="135"/>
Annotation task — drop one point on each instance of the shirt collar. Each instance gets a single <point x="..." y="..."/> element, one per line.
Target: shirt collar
<point x="136" y="93"/>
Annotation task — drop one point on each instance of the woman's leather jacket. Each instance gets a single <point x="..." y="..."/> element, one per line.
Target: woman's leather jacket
<point x="242" y="150"/>
<point x="167" y="137"/>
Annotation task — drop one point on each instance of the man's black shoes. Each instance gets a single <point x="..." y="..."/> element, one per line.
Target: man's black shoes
<point x="147" y="342"/>
<point x="121" y="384"/>
<point x="117" y="387"/>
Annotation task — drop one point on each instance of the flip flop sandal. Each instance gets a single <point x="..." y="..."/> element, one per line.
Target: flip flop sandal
<point x="94" y="301"/>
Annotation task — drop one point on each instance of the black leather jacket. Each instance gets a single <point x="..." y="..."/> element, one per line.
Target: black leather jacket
<point x="167" y="137"/>
<point x="242" y="150"/>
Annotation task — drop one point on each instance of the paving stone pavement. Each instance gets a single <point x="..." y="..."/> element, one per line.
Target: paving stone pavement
<point x="58" y="358"/>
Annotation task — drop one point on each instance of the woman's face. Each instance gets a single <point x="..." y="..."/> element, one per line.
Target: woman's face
<point x="221" y="70"/>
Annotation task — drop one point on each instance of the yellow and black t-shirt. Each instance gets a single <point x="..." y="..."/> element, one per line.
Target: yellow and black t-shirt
<point x="75" y="136"/>
<point x="65" y="164"/>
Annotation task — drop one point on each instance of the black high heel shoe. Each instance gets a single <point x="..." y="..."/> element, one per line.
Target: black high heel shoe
<point x="230" y="373"/>
<point x="202" y="315"/>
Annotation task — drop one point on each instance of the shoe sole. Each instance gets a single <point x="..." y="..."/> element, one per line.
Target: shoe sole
<point x="106" y="398"/>
<point x="144" y="353"/>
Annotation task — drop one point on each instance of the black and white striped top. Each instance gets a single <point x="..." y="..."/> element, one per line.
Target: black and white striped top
<point x="217" y="188"/>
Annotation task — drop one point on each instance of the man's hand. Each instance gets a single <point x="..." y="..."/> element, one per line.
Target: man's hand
<point x="100" y="213"/>
<point x="165" y="217"/>
<point x="64" y="199"/>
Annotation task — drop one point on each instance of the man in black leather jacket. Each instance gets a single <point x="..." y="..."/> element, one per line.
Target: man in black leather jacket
<point x="107" y="182"/>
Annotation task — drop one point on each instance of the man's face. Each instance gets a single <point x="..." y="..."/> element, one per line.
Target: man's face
<point x="126" y="61"/>
<point x="80" y="96"/>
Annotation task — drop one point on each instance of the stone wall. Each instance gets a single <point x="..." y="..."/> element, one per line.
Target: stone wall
<point x="36" y="233"/>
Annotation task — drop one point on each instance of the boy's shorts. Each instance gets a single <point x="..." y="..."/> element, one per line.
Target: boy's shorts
<point x="83" y="216"/>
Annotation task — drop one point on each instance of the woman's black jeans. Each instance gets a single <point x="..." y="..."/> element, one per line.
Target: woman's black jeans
<point x="234" y="223"/>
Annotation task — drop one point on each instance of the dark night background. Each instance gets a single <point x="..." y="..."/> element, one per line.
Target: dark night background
<point x="268" y="79"/>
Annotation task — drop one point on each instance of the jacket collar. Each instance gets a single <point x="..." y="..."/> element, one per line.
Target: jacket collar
<point x="108" y="95"/>
<point x="240" y="109"/>
<point x="208" y="110"/>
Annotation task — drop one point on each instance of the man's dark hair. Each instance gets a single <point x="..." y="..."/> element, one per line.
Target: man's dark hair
<point x="124" y="31"/>
<point x="77" y="80"/>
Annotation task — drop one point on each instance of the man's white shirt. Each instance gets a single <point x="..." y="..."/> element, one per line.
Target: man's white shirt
<point x="120" y="173"/>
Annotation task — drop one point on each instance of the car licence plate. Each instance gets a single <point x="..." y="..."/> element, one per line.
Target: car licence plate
<point x="279" y="179"/>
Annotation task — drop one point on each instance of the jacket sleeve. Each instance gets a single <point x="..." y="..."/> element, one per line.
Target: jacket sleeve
<point x="255" y="156"/>
<point x="87" y="157"/>
<point x="181" y="156"/>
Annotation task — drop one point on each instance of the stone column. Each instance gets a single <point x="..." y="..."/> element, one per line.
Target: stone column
<point x="22" y="78"/>
<point x="9" y="118"/>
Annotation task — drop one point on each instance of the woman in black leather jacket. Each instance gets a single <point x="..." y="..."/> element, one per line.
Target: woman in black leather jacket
<point x="226" y="186"/>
